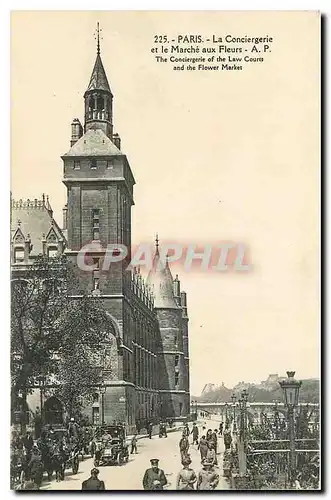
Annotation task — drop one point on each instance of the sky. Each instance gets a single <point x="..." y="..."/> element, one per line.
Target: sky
<point x="217" y="156"/>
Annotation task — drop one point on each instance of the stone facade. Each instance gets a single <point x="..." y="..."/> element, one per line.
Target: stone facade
<point x="146" y="360"/>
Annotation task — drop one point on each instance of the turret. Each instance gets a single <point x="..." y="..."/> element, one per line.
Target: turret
<point x="99" y="99"/>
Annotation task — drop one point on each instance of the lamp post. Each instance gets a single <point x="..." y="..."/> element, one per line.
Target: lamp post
<point x="102" y="392"/>
<point x="241" y="441"/>
<point x="244" y="396"/>
<point x="226" y="414"/>
<point x="291" y="388"/>
<point x="233" y="397"/>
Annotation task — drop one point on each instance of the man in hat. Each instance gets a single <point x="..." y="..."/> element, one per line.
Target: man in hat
<point x="195" y="433"/>
<point x="184" y="446"/>
<point x="207" y="478"/>
<point x="154" y="478"/>
<point x="186" y="477"/>
<point x="93" y="483"/>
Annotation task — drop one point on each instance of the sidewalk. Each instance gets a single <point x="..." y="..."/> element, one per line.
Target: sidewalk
<point x="156" y="432"/>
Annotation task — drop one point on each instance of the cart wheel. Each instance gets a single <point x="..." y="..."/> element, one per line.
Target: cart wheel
<point x="75" y="466"/>
<point x="120" y="458"/>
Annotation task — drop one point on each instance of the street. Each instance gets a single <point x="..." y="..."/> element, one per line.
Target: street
<point x="129" y="476"/>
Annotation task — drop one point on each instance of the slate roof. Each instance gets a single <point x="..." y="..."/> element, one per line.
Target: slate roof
<point x="161" y="281"/>
<point x="94" y="143"/>
<point x="98" y="80"/>
<point x="34" y="218"/>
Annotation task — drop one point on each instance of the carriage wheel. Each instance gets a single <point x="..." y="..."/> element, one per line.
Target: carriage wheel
<point x="75" y="465"/>
<point x="120" y="458"/>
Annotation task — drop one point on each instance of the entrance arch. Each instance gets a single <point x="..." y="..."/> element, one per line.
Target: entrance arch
<point x="53" y="411"/>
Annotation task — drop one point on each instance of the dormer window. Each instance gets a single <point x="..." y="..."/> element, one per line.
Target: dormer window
<point x="77" y="165"/>
<point x="18" y="255"/>
<point x="93" y="164"/>
<point x="51" y="252"/>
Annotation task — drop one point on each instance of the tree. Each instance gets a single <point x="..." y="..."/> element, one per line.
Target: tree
<point x="52" y="333"/>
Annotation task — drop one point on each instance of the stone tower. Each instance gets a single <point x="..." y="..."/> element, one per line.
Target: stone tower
<point x="99" y="184"/>
<point x="173" y="359"/>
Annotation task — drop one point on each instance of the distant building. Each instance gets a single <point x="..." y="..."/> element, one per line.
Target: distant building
<point x="208" y="388"/>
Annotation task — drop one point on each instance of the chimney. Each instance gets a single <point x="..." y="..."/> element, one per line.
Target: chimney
<point x="176" y="287"/>
<point x="117" y="141"/>
<point x="65" y="216"/>
<point x="76" y="131"/>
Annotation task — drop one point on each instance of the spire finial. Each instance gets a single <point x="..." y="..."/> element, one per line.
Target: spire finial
<point x="97" y="36"/>
<point x="157" y="242"/>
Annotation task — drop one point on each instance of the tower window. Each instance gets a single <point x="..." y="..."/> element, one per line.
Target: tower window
<point x="176" y="379"/>
<point x="96" y="282"/>
<point x="95" y="224"/>
<point x="76" y="165"/>
<point x="93" y="164"/>
<point x="19" y="255"/>
<point x="96" y="234"/>
<point x="177" y="360"/>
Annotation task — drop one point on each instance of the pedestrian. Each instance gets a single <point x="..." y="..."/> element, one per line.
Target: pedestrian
<point x="154" y="478"/>
<point x="195" y="434"/>
<point x="186" y="429"/>
<point x="150" y="429"/>
<point x="227" y="439"/>
<point x="28" y="445"/>
<point x="184" y="446"/>
<point x="207" y="478"/>
<point x="36" y="467"/>
<point x="211" y="453"/>
<point x="214" y="439"/>
<point x="203" y="447"/>
<point x="134" y="444"/>
<point x="37" y="423"/>
<point x="93" y="483"/>
<point x="221" y="428"/>
<point x="186" y="477"/>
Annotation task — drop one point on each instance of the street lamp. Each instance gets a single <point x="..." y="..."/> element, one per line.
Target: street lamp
<point x="244" y="396"/>
<point x="102" y="392"/>
<point x="291" y="388"/>
<point x="226" y="414"/>
<point x="233" y="397"/>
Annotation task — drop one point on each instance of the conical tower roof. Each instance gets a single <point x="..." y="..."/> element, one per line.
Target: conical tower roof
<point x="161" y="281"/>
<point x="98" y="80"/>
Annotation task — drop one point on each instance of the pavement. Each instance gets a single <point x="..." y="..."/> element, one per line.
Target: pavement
<point x="129" y="476"/>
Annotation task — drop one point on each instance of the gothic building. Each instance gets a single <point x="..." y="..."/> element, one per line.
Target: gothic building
<point x="145" y="362"/>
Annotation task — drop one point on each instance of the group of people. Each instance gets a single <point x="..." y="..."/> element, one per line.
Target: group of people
<point x="207" y="479"/>
<point x="48" y="451"/>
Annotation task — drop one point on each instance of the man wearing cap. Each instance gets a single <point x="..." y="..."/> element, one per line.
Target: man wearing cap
<point x="186" y="477"/>
<point x="154" y="478"/>
<point x="207" y="478"/>
<point x="93" y="483"/>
